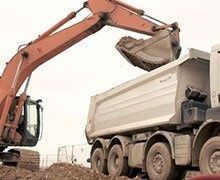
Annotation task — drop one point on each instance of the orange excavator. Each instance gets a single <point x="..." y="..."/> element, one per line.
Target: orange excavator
<point x="20" y="117"/>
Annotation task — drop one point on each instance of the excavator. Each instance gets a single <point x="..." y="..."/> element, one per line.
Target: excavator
<point x="20" y="117"/>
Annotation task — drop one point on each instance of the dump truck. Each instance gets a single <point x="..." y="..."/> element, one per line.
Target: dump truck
<point x="163" y="121"/>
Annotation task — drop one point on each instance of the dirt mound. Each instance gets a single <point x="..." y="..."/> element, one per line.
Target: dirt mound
<point x="59" y="171"/>
<point x="62" y="171"/>
<point x="7" y="172"/>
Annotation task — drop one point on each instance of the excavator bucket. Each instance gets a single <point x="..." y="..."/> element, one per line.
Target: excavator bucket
<point x="151" y="53"/>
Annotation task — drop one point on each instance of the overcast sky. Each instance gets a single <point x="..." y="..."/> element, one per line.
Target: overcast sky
<point x="66" y="82"/>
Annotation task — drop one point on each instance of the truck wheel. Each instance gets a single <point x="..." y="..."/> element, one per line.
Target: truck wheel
<point x="98" y="163"/>
<point x="117" y="163"/>
<point x="209" y="159"/>
<point x="159" y="162"/>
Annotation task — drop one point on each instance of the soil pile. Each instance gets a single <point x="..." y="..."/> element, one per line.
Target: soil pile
<point x="62" y="171"/>
<point x="59" y="171"/>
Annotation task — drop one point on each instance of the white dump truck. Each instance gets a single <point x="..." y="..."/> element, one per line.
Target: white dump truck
<point x="166" y="120"/>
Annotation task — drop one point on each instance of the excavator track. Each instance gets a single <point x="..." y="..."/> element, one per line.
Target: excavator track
<point x="26" y="159"/>
<point x="29" y="160"/>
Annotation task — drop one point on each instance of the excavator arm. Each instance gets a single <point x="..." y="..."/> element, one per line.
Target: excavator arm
<point x="19" y="68"/>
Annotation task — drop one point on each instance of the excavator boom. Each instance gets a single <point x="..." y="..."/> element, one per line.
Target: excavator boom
<point x="49" y="44"/>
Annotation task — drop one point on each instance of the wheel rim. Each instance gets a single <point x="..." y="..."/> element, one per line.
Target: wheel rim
<point x="116" y="161"/>
<point x="214" y="162"/>
<point x="98" y="163"/>
<point x="158" y="163"/>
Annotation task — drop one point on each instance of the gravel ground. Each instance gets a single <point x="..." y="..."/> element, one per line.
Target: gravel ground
<point x="61" y="171"/>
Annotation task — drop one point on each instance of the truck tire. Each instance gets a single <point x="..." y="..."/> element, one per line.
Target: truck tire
<point x="98" y="162"/>
<point x="209" y="158"/>
<point x="117" y="163"/>
<point x="159" y="163"/>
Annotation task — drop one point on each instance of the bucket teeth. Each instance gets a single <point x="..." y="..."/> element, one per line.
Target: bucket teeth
<point x="151" y="53"/>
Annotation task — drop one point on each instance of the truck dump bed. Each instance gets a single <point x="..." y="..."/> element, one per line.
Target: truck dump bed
<point x="151" y="100"/>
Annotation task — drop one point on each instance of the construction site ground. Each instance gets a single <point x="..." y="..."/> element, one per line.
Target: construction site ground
<point x="59" y="171"/>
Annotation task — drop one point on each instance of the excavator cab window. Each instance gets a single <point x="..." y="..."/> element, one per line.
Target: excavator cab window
<point x="32" y="115"/>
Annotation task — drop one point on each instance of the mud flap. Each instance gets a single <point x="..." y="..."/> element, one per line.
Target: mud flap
<point x="151" y="53"/>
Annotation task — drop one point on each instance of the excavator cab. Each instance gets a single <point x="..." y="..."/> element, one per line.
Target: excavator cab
<point x="152" y="53"/>
<point x="30" y="127"/>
